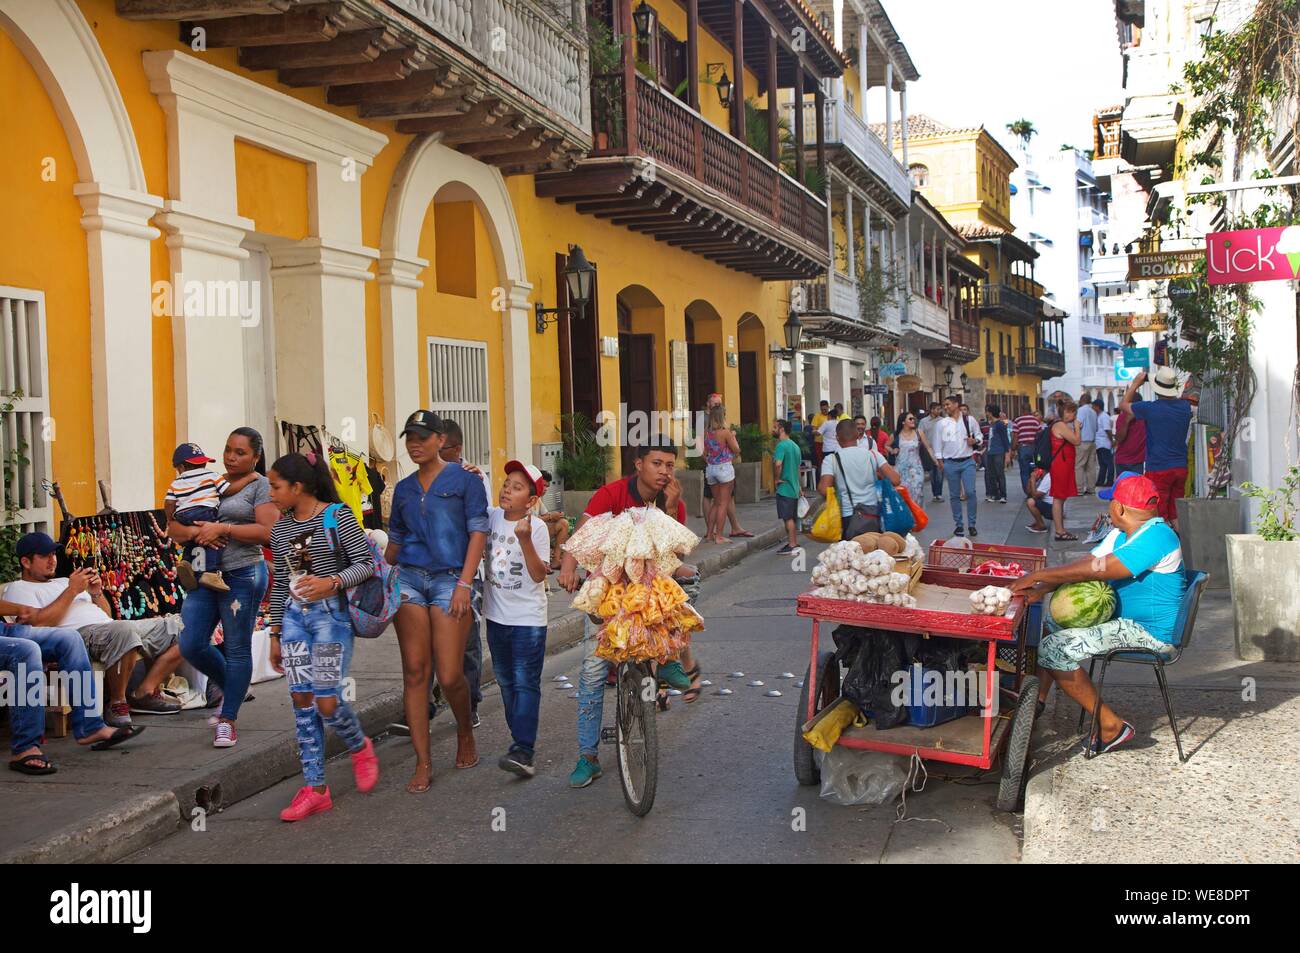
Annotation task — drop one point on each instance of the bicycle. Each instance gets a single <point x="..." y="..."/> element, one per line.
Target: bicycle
<point x="635" y="734"/>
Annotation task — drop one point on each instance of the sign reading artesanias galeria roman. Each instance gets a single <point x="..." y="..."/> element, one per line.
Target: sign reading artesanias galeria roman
<point x="1256" y="254"/>
<point x="1161" y="265"/>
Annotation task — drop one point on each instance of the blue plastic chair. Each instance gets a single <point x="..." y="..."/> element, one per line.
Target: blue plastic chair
<point x="1183" y="625"/>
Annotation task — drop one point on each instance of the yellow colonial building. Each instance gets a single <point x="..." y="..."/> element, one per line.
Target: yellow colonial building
<point x="260" y="212"/>
<point x="966" y="174"/>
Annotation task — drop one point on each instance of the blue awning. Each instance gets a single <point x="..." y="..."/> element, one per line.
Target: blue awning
<point x="1098" y="342"/>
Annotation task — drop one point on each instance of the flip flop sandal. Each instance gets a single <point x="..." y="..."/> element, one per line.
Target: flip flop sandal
<point x="692" y="694"/>
<point x="1066" y="538"/>
<point x="125" y="733"/>
<point x="25" y="765"/>
<point x="743" y="534"/>
<point x="466" y="767"/>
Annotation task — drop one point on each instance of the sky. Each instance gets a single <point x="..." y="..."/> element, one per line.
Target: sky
<point x="991" y="62"/>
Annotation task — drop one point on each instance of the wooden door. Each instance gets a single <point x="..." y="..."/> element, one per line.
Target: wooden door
<point x="636" y="374"/>
<point x="579" y="347"/>
<point x="702" y="374"/>
<point x="750" y="411"/>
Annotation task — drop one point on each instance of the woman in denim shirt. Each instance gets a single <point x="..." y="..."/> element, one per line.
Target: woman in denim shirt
<point x="436" y="534"/>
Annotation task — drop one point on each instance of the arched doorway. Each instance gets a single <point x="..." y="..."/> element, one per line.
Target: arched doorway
<point x="704" y="355"/>
<point x="642" y="363"/>
<point x="754" y="402"/>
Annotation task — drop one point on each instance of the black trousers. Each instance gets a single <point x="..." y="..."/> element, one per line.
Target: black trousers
<point x="995" y="476"/>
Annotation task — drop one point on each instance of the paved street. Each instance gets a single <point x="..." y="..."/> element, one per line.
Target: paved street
<point x="726" y="788"/>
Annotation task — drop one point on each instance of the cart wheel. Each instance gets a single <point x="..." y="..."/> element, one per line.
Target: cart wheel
<point x="828" y="689"/>
<point x="1011" y="789"/>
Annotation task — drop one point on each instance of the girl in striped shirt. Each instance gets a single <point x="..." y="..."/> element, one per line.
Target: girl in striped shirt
<point x="311" y="632"/>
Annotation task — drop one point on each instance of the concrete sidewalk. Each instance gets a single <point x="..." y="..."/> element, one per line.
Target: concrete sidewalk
<point x="101" y="806"/>
<point x="1234" y="800"/>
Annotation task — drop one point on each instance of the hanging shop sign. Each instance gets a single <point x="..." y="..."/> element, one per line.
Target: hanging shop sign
<point x="1255" y="254"/>
<point x="897" y="369"/>
<point x="875" y="390"/>
<point x="1160" y="265"/>
<point x="1133" y="323"/>
<point x="909" y="383"/>
<point x="1125" y="374"/>
<point x="1139" y="357"/>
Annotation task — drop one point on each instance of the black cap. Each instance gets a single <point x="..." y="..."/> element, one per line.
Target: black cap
<point x="190" y="453"/>
<point x="35" y="544"/>
<point x="422" y="423"/>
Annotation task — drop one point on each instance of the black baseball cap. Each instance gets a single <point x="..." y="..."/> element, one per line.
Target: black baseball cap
<point x="422" y="423"/>
<point x="35" y="544"/>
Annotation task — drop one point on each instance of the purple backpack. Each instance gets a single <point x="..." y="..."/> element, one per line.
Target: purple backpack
<point x="372" y="604"/>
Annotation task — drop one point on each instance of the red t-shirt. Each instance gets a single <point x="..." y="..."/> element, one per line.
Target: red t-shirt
<point x="621" y="495"/>
<point x="1133" y="448"/>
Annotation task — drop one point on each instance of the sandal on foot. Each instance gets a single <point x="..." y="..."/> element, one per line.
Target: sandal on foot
<point x="117" y="737"/>
<point x="1066" y="538"/>
<point x="26" y="765"/>
<point x="691" y="694"/>
<point x="743" y="534"/>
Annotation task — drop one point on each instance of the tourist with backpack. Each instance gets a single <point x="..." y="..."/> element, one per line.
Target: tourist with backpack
<point x="319" y="551"/>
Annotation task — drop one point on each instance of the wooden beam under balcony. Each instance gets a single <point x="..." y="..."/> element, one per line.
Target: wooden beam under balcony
<point x="510" y="127"/>
<point x="438" y="80"/>
<point x="315" y="24"/>
<point x="197" y="9"/>
<point x="359" y="46"/>
<point x="548" y="155"/>
<point x="488" y="112"/>
<point x="395" y="64"/>
<point x="530" y="140"/>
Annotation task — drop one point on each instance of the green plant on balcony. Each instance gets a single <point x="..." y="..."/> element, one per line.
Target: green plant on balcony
<point x="605" y="53"/>
<point x="757" y="127"/>
<point x="584" y="461"/>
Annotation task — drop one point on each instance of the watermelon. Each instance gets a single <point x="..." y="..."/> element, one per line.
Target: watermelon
<point x="1082" y="604"/>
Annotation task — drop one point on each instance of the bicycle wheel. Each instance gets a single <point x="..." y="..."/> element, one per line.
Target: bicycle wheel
<point x="637" y="739"/>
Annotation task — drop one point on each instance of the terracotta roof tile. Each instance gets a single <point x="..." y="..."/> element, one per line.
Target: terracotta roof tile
<point x="921" y="126"/>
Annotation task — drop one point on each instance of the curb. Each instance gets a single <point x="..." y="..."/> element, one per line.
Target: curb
<point x="1040" y="805"/>
<point x="134" y="825"/>
<point x="107" y="836"/>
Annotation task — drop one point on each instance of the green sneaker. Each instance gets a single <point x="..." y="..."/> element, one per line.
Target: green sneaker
<point x="585" y="772"/>
<point x="675" y="676"/>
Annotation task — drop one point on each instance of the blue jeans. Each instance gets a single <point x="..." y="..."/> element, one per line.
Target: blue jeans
<point x="315" y="650"/>
<point x="936" y="480"/>
<point x="517" y="655"/>
<point x="202" y="558"/>
<point x="591" y="692"/>
<point x="202" y="610"/>
<point x="23" y="651"/>
<point x="959" y="474"/>
<point x="1105" y="466"/>
<point x="1025" y="459"/>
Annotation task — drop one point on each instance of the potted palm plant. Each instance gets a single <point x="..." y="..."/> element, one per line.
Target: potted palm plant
<point x="1263" y="568"/>
<point x="754" y="443"/>
<point x="583" y="464"/>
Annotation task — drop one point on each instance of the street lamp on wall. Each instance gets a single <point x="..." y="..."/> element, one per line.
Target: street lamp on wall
<point x="963" y="382"/>
<point x="722" y="83"/>
<point x="947" y="376"/>
<point x="578" y="276"/>
<point x="793" y="328"/>
<point x="644" y="18"/>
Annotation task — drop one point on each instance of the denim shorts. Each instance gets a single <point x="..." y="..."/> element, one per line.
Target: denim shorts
<point x="720" y="473"/>
<point x="419" y="587"/>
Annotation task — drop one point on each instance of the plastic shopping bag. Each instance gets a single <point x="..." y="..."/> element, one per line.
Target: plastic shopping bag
<point x="921" y="520"/>
<point x="851" y="776"/>
<point x="828" y="525"/>
<point x="895" y="517"/>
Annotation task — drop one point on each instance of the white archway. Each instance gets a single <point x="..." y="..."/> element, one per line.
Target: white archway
<point x="427" y="169"/>
<point x="59" y="44"/>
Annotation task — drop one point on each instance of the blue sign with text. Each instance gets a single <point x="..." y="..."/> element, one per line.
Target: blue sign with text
<point x="1139" y="357"/>
<point x="897" y="369"/>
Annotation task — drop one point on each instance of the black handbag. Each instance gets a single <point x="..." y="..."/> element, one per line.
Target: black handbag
<point x="864" y="518"/>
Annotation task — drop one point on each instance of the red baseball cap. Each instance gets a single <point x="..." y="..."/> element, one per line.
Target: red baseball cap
<point x="1137" y="492"/>
<point x="530" y="472"/>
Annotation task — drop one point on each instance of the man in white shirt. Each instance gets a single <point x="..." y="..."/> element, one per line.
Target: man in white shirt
<point x="77" y="602"/>
<point x="1085" y="460"/>
<point x="1040" y="500"/>
<point x="829" y="431"/>
<point x="957" y="436"/>
<point x="927" y="426"/>
<point x="1105" y="440"/>
<point x="853" y="471"/>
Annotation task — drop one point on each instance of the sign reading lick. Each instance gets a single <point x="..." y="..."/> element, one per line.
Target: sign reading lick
<point x="1256" y="254"/>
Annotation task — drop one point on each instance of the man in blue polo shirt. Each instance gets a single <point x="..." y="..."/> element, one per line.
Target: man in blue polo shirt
<point x="1142" y="560"/>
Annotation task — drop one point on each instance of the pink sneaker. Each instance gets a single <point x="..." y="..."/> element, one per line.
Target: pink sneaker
<point x="306" y="803"/>
<point x="226" y="735"/>
<point x="365" y="767"/>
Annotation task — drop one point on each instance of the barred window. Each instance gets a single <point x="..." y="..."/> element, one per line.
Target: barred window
<point x="458" y="389"/>
<point x="24" y="392"/>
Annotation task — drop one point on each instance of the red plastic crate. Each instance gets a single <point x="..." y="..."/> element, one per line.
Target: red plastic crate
<point x="962" y="559"/>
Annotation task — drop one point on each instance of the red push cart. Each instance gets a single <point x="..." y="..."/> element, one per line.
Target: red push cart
<point x="973" y="739"/>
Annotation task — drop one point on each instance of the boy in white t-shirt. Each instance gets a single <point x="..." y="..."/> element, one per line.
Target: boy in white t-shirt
<point x="515" y="604"/>
<point x="1040" y="500"/>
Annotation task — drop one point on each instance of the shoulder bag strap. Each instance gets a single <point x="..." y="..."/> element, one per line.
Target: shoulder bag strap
<point x="329" y="522"/>
<point x="840" y="466"/>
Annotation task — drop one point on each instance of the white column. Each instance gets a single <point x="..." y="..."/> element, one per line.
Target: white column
<point x="863" y="86"/>
<point x="207" y="343"/>
<point x="903" y="105"/>
<point x="399" y="286"/>
<point x="866" y="239"/>
<point x="837" y="14"/>
<point x="118" y="234"/>
<point x="517" y="327"/>
<point x="848" y="230"/>
<point x="320" y="333"/>
<point x="889" y="107"/>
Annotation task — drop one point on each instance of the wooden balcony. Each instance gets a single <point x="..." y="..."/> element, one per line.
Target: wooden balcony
<point x="504" y="81"/>
<point x="1008" y="304"/>
<point x="1041" y="361"/>
<point x="661" y="168"/>
<point x="963" y="344"/>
